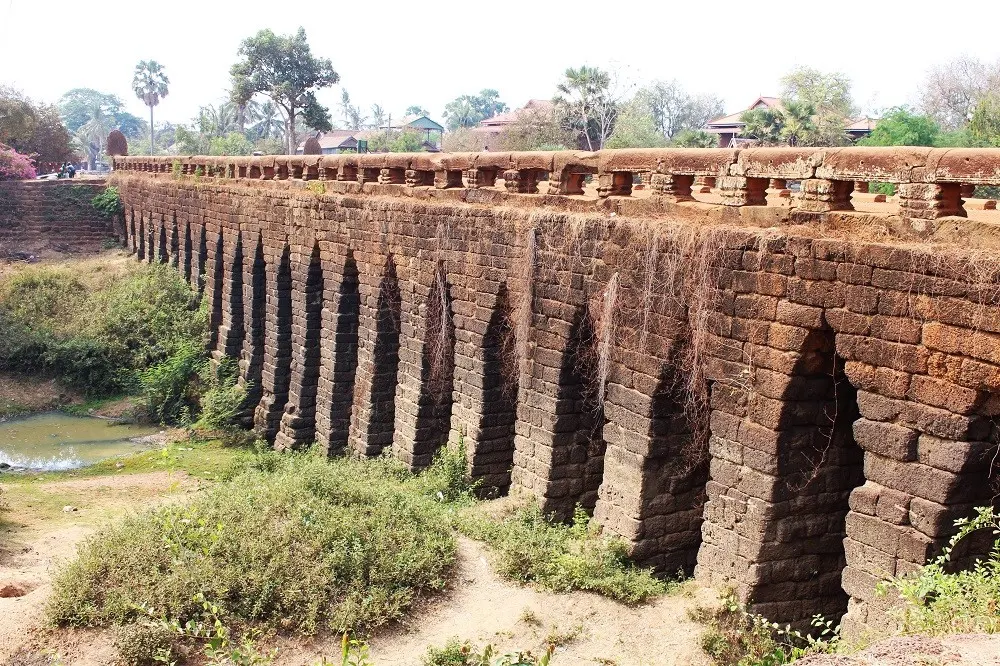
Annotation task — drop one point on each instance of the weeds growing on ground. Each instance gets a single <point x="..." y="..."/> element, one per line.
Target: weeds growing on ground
<point x="737" y="637"/>
<point x="530" y="548"/>
<point x="938" y="600"/>
<point x="457" y="652"/>
<point x="347" y="547"/>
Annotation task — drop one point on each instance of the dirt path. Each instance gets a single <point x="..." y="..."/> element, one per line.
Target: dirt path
<point x="485" y="609"/>
<point x="38" y="535"/>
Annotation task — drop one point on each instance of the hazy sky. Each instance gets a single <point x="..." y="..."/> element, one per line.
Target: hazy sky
<point x="427" y="53"/>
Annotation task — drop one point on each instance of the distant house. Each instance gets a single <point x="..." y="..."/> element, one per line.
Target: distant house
<point x="493" y="127"/>
<point x="334" y="142"/>
<point x="729" y="128"/>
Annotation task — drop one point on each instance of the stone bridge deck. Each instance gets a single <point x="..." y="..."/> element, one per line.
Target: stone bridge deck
<point x="794" y="392"/>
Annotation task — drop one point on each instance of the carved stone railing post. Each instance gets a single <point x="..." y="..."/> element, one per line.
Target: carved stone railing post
<point x="742" y="191"/>
<point x="821" y="196"/>
<point x="672" y="188"/>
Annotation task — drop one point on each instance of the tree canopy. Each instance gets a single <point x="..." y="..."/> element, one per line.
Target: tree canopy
<point x="283" y="69"/>
<point x="33" y="129"/>
<point x="900" y="126"/>
<point x="469" y="110"/>
<point x="674" y="110"/>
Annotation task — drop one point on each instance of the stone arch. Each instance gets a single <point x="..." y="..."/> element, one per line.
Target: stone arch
<point x="578" y="443"/>
<point x="340" y="361"/>
<point x="133" y="239"/>
<point x="233" y="326"/>
<point x="141" y="238"/>
<point x="491" y="444"/>
<point x="174" y="242"/>
<point x="277" y="346"/>
<point x="202" y="258"/>
<point x="161" y="242"/>
<point x="655" y="468"/>
<point x="214" y="287"/>
<point x="784" y="464"/>
<point x="188" y="251"/>
<point x="373" y="417"/>
<point x="298" y="423"/>
<point x="437" y="377"/>
<point x="255" y="308"/>
<point x="151" y="240"/>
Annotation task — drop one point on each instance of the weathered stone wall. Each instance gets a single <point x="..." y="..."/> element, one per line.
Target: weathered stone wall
<point x="58" y="215"/>
<point x="792" y="395"/>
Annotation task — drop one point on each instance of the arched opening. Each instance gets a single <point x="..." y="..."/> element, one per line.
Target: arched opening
<point x="376" y="417"/>
<point x="141" y="238"/>
<point x="580" y="434"/>
<point x="255" y="298"/>
<point x="161" y="248"/>
<point x="151" y="240"/>
<point x="493" y="456"/>
<point x="215" y="305"/>
<point x="188" y="249"/>
<point x="235" y="326"/>
<point x="299" y="420"/>
<point x="437" y="373"/>
<point x="133" y="240"/>
<point x="174" y="243"/>
<point x="345" y="356"/>
<point x="202" y="259"/>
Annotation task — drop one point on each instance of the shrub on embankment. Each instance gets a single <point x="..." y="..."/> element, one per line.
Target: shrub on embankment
<point x="110" y="326"/>
<point x="287" y="542"/>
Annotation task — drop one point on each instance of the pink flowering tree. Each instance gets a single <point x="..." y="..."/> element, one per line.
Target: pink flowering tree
<point x="15" y="165"/>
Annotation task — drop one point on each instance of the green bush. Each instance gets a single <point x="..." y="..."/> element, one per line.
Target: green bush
<point x="531" y="548"/>
<point x="939" y="600"/>
<point x="97" y="331"/>
<point x="287" y="542"/>
<point x="463" y="653"/>
<point x="108" y="203"/>
<point x="224" y="399"/>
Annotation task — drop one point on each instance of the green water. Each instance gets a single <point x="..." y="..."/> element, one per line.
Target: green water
<point x="57" y="441"/>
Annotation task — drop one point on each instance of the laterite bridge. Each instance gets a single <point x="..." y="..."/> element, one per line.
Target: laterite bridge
<point x="742" y="362"/>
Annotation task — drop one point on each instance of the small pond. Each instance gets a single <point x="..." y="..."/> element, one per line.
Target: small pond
<point x="54" y="441"/>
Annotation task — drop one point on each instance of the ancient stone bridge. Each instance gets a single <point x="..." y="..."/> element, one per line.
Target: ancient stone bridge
<point x="738" y="360"/>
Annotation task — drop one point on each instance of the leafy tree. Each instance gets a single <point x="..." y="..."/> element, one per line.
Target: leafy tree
<point x="17" y="117"/>
<point x="353" y="116"/>
<point x="827" y="93"/>
<point x="80" y="105"/>
<point x="218" y="121"/>
<point x="469" y="110"/>
<point x="149" y="83"/>
<point x="635" y="127"/>
<point x="284" y="69"/>
<point x="50" y="140"/>
<point x="405" y="141"/>
<point x="233" y="143"/>
<point x="536" y="129"/>
<point x="675" y="111"/>
<point x="984" y="126"/>
<point x="951" y="91"/>
<point x="695" y="139"/>
<point x="415" y="110"/>
<point x="900" y="126"/>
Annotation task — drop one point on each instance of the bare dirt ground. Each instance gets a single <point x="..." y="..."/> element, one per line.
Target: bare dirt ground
<point x="22" y="394"/>
<point x="38" y="535"/>
<point x="958" y="650"/>
<point x="481" y="607"/>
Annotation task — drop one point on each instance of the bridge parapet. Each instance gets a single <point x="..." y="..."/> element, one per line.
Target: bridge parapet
<point x="930" y="183"/>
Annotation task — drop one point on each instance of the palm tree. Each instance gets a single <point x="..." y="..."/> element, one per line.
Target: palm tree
<point x="764" y="125"/>
<point x="92" y="134"/>
<point x="798" y="123"/>
<point x="150" y="85"/>
<point x="585" y="91"/>
<point x="266" y="120"/>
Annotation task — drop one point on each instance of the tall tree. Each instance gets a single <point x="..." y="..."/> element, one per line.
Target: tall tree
<point x="764" y="125"/>
<point x="380" y="119"/>
<point x="674" y="110"/>
<point x="589" y="98"/>
<point x="985" y="122"/>
<point x="828" y="93"/>
<point x="149" y="83"/>
<point x="951" y="91"/>
<point x="416" y="110"/>
<point x="636" y="127"/>
<point x="284" y="69"/>
<point x="354" y="118"/>
<point x="798" y="127"/>
<point x="17" y="117"/>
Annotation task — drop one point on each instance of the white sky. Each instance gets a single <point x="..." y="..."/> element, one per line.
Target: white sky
<point x="399" y="53"/>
